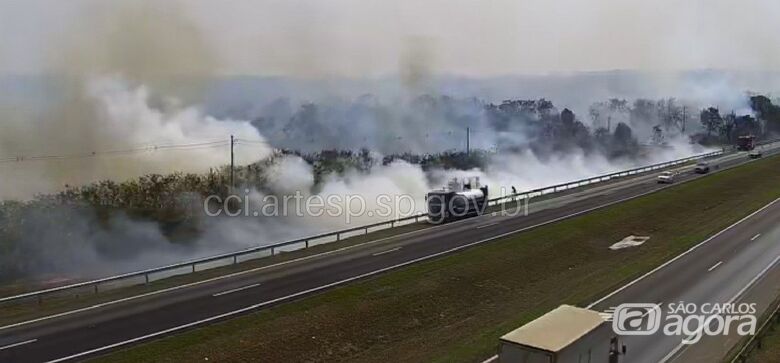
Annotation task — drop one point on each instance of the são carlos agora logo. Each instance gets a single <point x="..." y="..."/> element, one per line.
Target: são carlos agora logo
<point x="687" y="320"/>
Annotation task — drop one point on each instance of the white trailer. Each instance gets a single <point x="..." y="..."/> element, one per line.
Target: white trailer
<point x="567" y="334"/>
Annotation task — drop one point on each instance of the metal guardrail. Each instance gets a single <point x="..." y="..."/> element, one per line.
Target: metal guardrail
<point x="599" y="179"/>
<point x="754" y="343"/>
<point x="233" y="257"/>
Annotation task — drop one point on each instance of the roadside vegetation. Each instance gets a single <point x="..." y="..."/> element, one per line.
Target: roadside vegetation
<point x="97" y="215"/>
<point x="453" y="309"/>
<point x="770" y="349"/>
<point x="72" y="299"/>
<point x="766" y="349"/>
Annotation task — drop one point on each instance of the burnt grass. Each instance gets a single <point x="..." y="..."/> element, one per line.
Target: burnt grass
<point x="453" y="309"/>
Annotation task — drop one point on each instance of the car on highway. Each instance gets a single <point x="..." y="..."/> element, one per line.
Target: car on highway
<point x="755" y="154"/>
<point x="702" y="167"/>
<point x="666" y="177"/>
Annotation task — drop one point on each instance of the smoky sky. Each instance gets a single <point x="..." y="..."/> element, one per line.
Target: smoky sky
<point x="357" y="38"/>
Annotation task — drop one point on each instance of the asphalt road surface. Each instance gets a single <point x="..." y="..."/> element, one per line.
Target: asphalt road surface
<point x="97" y="330"/>
<point x="720" y="270"/>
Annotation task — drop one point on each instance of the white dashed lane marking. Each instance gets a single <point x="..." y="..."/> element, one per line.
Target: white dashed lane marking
<point x="235" y="290"/>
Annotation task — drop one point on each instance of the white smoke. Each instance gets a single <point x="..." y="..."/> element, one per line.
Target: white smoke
<point x="121" y="119"/>
<point x="114" y="91"/>
<point x="125" y="116"/>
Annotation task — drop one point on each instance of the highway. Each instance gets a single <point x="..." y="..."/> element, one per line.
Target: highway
<point x="720" y="270"/>
<point x="97" y="330"/>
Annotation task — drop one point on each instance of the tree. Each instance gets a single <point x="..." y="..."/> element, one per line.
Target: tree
<point x="727" y="128"/>
<point x="766" y="112"/>
<point x="671" y="114"/>
<point x="623" y="141"/>
<point x="643" y="113"/>
<point x="711" y="120"/>
<point x="623" y="136"/>
<point x="567" y="118"/>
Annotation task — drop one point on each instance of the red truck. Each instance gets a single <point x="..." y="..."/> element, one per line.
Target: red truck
<point x="746" y="143"/>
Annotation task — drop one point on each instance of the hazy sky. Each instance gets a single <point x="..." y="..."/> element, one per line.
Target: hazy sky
<point x="465" y="37"/>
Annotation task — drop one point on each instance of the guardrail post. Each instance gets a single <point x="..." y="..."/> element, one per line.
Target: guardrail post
<point x="96" y="288"/>
<point x="146" y="278"/>
<point x="235" y="259"/>
<point x="338" y="236"/>
<point x="307" y="243"/>
<point x="392" y="224"/>
<point x="272" y="251"/>
<point x="366" y="230"/>
<point x="416" y="219"/>
<point x="193" y="268"/>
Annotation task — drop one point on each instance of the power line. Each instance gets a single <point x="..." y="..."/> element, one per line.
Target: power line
<point x="252" y="141"/>
<point x="129" y="151"/>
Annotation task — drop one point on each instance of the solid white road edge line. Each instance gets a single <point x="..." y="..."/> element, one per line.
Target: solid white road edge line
<point x="613" y="293"/>
<point x="495" y="357"/>
<point x="235" y="290"/>
<point x="157" y="292"/>
<point x="755" y="279"/>
<point x="196" y="283"/>
<point x="18" y="344"/>
<point x="341" y="282"/>
<point x="411" y="262"/>
<point x="403" y="264"/>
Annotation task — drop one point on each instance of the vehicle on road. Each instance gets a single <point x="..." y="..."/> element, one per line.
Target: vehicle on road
<point x="702" y="167"/>
<point x="567" y="334"/>
<point x="666" y="177"/>
<point x="746" y="143"/>
<point x="755" y="154"/>
<point x="460" y="199"/>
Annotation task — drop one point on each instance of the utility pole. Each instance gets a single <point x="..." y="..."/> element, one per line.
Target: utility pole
<point x="468" y="141"/>
<point x="232" y="163"/>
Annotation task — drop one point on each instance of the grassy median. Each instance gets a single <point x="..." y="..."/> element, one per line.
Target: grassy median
<point x="454" y="308"/>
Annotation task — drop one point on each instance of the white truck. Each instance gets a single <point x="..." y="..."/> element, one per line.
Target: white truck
<point x="567" y="334"/>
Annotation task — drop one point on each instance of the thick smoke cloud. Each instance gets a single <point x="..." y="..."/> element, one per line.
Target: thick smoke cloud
<point x="100" y="97"/>
<point x="133" y="74"/>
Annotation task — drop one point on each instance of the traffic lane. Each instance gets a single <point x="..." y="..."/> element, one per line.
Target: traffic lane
<point x="737" y="271"/>
<point x="721" y="285"/>
<point x="128" y="327"/>
<point x="646" y="183"/>
<point x="155" y="301"/>
<point x="674" y="278"/>
<point x="123" y="328"/>
<point x="714" y="348"/>
<point x="659" y="347"/>
<point x="453" y="228"/>
<point x="702" y="283"/>
<point x="235" y="280"/>
<point x="125" y="311"/>
<point x="535" y="215"/>
<point x="108" y="328"/>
